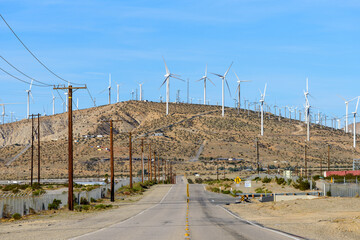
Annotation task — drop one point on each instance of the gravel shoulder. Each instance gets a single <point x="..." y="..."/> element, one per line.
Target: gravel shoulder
<point x="66" y="224"/>
<point x="322" y="218"/>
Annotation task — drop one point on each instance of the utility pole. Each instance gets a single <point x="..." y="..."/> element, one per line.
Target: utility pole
<point x="149" y="164"/>
<point x="154" y="166"/>
<point x="217" y="172"/>
<point x="142" y="160"/>
<point x="38" y="133"/>
<point x="165" y="171"/>
<point x="112" y="175"/>
<point x="328" y="163"/>
<point x="187" y="90"/>
<point x="130" y="160"/>
<point x="305" y="159"/>
<point x="70" y="143"/>
<point x="158" y="168"/>
<point x="32" y="150"/>
<point x="112" y="198"/>
<point x="257" y="156"/>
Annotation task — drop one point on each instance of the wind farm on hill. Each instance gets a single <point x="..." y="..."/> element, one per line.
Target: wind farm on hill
<point x="177" y="136"/>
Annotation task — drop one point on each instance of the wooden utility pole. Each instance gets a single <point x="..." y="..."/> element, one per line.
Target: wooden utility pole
<point x="70" y="143"/>
<point x="149" y="165"/>
<point x="130" y="160"/>
<point x="142" y="160"/>
<point x="154" y="166"/>
<point x="32" y="151"/>
<point x="158" y="168"/>
<point x="328" y="163"/>
<point x="217" y="172"/>
<point x="38" y="134"/>
<point x="257" y="156"/>
<point x="112" y="198"/>
<point x="166" y="177"/>
<point x="305" y="159"/>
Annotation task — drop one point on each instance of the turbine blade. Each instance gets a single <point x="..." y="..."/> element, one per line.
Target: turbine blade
<point x="228" y="87"/>
<point x="32" y="98"/>
<point x="210" y="81"/>
<point x="104" y="90"/>
<point x="200" y="79"/>
<point x="31" y="84"/>
<point x="357" y="104"/>
<point x="228" y="69"/>
<point x="265" y="90"/>
<point x="218" y="75"/>
<point x="164" y="82"/>
<point x="237" y="76"/>
<point x="166" y="68"/>
<point x="206" y="71"/>
<point x="177" y="78"/>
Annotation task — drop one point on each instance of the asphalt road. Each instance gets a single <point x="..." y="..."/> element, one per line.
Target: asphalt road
<point x="166" y="220"/>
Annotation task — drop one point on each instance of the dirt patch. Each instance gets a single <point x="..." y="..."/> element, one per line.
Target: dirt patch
<point x="322" y="218"/>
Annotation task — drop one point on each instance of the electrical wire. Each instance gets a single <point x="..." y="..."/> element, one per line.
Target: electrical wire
<point x="91" y="97"/>
<point x="34" y="54"/>
<point x="23" y="72"/>
<point x="21" y="79"/>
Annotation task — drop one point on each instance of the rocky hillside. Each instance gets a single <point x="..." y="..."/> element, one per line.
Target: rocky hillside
<point x="190" y="131"/>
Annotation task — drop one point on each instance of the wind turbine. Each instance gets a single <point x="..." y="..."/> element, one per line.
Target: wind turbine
<point x="238" y="89"/>
<point x="307" y="111"/>
<point x="262" y="99"/>
<point x="109" y="87"/>
<point x="354" y="113"/>
<point x="204" y="78"/>
<point x="140" y="84"/>
<point x="28" y="99"/>
<point x="223" y="77"/>
<point x="346" y="113"/>
<point x="167" y="76"/>
<point x="53" y="103"/>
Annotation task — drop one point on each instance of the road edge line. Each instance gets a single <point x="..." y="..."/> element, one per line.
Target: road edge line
<point x="259" y="226"/>
<point x="125" y="220"/>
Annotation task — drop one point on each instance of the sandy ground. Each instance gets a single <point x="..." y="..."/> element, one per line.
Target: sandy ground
<point x="65" y="224"/>
<point x="322" y="218"/>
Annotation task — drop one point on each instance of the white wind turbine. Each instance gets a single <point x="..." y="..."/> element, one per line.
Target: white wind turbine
<point x="167" y="76"/>
<point x="307" y="111"/>
<point x="238" y="89"/>
<point x="223" y="77"/>
<point x="28" y="99"/>
<point x="354" y="123"/>
<point x="262" y="99"/>
<point x="53" y="103"/>
<point x="204" y="78"/>
<point x="347" y="112"/>
<point x="140" y="84"/>
<point x="109" y="87"/>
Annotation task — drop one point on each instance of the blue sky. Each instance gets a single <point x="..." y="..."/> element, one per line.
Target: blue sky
<point x="275" y="42"/>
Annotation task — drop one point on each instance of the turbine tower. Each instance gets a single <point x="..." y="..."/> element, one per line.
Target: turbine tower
<point x="354" y="123"/>
<point x="347" y="113"/>
<point x="204" y="78"/>
<point x="307" y="111"/>
<point x="28" y="99"/>
<point x="262" y="99"/>
<point x="140" y="84"/>
<point x="167" y="76"/>
<point x="238" y="89"/>
<point x="109" y="87"/>
<point x="53" y="104"/>
<point x="223" y="77"/>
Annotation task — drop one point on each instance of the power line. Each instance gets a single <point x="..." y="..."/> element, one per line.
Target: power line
<point x="21" y="79"/>
<point x="22" y="72"/>
<point x="34" y="54"/>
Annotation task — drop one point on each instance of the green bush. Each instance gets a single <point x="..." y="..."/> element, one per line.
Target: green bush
<point x="328" y="193"/>
<point x="198" y="180"/>
<point x="16" y="216"/>
<point x="215" y="189"/>
<point x="225" y="191"/>
<point x="54" y="205"/>
<point x="102" y="206"/>
<point x="190" y="181"/>
<point x="86" y="207"/>
<point x="92" y="200"/>
<point x="266" y="180"/>
<point x="38" y="192"/>
<point x="257" y="179"/>
<point x="301" y="184"/>
<point x="280" y="181"/>
<point x="316" y="177"/>
<point x="84" y="201"/>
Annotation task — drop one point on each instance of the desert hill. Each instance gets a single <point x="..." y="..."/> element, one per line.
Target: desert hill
<point x="191" y="131"/>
